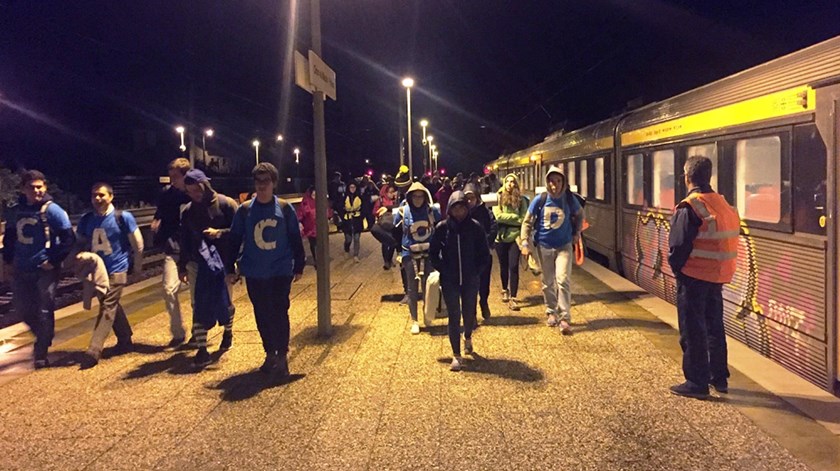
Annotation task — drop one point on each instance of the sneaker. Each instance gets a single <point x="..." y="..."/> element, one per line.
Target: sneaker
<point x="457" y="364"/>
<point x="514" y="304"/>
<point x="356" y="259"/>
<point x="404" y="300"/>
<point x="565" y="328"/>
<point x="415" y="328"/>
<point x="552" y="320"/>
<point x="41" y="363"/>
<point x="90" y="360"/>
<point x="505" y="295"/>
<point x="347" y="248"/>
<point x="282" y="365"/>
<point x="485" y="310"/>
<point x="386" y="266"/>
<point x="124" y="346"/>
<point x="270" y="363"/>
<point x="720" y="386"/>
<point x="227" y="341"/>
<point x="202" y="358"/>
<point x="689" y="389"/>
<point x="468" y="347"/>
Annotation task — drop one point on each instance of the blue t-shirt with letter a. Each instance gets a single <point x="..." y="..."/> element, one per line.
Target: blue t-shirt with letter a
<point x="107" y="239"/>
<point x="267" y="250"/>
<point x="553" y="227"/>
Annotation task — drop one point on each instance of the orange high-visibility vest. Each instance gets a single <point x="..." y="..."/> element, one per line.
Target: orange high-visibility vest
<point x="714" y="255"/>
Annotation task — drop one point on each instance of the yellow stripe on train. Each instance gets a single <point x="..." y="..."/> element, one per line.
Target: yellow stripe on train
<point x="775" y="105"/>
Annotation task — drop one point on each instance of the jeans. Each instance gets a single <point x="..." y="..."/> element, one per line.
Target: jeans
<point x="484" y="283"/>
<point x="556" y="271"/>
<point x="508" y="253"/>
<point x="388" y="253"/>
<point x="355" y="239"/>
<point x="460" y="301"/>
<point x="702" y="335"/>
<point x="111" y="315"/>
<point x="270" y="297"/>
<point x="171" y="286"/>
<point x="411" y="287"/>
<point x="33" y="296"/>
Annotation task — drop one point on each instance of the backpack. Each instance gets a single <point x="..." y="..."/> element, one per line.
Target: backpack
<point x="569" y="195"/>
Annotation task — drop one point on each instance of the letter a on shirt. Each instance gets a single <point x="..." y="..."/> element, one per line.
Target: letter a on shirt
<point x="100" y="243"/>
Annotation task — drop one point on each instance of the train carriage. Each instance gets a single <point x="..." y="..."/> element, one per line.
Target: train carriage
<point x="772" y="134"/>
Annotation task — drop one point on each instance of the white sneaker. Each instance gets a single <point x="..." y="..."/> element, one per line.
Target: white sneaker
<point x="552" y="320"/>
<point x="457" y="364"/>
<point x="356" y="259"/>
<point x="415" y="328"/>
<point x="514" y="304"/>
<point x="468" y="347"/>
<point x="505" y="295"/>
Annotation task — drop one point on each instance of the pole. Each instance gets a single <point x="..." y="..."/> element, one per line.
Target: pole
<point x="257" y="149"/>
<point x="204" y="148"/>
<point x="322" y="247"/>
<point x="408" y="121"/>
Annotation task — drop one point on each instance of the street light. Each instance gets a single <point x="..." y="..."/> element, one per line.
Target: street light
<point x="423" y="124"/>
<point x="207" y="133"/>
<point x="431" y="147"/>
<point x="435" y="155"/>
<point x="297" y="155"/>
<point x="367" y="161"/>
<point x="279" y="138"/>
<point x="180" y="130"/>
<point x="256" y="145"/>
<point x="408" y="83"/>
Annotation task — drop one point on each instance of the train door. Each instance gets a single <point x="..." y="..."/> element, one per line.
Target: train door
<point x="828" y="124"/>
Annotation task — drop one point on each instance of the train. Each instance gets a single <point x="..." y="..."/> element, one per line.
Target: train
<point x="773" y="135"/>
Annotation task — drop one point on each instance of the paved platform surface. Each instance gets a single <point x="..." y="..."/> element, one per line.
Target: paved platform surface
<point x="375" y="397"/>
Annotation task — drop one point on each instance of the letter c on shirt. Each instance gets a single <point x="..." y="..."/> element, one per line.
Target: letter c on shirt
<point x="258" y="234"/>
<point x="21" y="224"/>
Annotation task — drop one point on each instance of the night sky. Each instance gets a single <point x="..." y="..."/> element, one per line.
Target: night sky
<point x="93" y="89"/>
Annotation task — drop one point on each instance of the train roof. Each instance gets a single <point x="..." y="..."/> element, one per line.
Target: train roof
<point x="804" y="67"/>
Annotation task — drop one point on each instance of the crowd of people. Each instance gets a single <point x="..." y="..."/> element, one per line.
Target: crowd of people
<point x="432" y="224"/>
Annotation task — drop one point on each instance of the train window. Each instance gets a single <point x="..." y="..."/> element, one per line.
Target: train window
<point x="809" y="170"/>
<point x="571" y="177"/>
<point x="584" y="179"/>
<point x="663" y="179"/>
<point x="758" y="178"/>
<point x="636" y="179"/>
<point x="599" y="179"/>
<point x="709" y="151"/>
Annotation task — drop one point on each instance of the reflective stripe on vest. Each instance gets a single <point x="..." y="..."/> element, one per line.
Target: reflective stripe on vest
<point x="714" y="254"/>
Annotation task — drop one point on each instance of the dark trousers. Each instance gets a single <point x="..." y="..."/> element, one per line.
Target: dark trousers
<point x="312" y="243"/>
<point x="702" y="336"/>
<point x="270" y="297"/>
<point x="460" y="301"/>
<point x="33" y="296"/>
<point x="388" y="253"/>
<point x="508" y="253"/>
<point x="484" y="283"/>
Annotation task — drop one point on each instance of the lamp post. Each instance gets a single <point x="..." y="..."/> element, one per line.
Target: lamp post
<point x="435" y="155"/>
<point x="408" y="83"/>
<point x="297" y="155"/>
<point x="256" y="145"/>
<point x="297" y="169"/>
<point x="431" y="148"/>
<point x="207" y="133"/>
<point x="423" y="124"/>
<point x="180" y="130"/>
<point x="279" y="138"/>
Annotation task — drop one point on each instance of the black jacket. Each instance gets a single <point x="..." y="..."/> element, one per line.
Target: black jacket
<point x="169" y="213"/>
<point x="485" y="217"/>
<point x="458" y="250"/>
<point x="217" y="213"/>
<point x="685" y="225"/>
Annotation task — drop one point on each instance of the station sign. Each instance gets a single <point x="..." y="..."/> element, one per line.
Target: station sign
<point x="313" y="74"/>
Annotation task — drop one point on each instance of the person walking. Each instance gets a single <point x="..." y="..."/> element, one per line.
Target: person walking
<point x="353" y="219"/>
<point x="205" y="255"/>
<point x="703" y="255"/>
<point x="272" y="258"/>
<point x="383" y="228"/>
<point x="554" y="221"/>
<point x="38" y="238"/>
<point x="306" y="216"/>
<point x="509" y="213"/>
<point x="417" y="219"/>
<point x="459" y="251"/>
<point x="165" y="229"/>
<point x="484" y="216"/>
<point x="113" y="235"/>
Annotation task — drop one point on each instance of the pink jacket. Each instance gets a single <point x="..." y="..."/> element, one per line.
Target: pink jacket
<point x="306" y="215"/>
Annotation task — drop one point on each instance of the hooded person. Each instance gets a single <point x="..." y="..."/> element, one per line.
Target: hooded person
<point x="443" y="194"/>
<point x="416" y="219"/>
<point x="352" y="218"/>
<point x="551" y="227"/>
<point x="459" y="251"/>
<point x="509" y="213"/>
<point x="382" y="230"/>
<point x="205" y="253"/>
<point x="306" y="216"/>
<point x="482" y="214"/>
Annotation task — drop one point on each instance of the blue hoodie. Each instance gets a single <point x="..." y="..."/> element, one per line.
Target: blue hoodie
<point x="417" y="223"/>
<point x="25" y="240"/>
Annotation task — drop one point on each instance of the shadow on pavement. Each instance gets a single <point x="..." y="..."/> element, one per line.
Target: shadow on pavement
<point x="509" y="369"/>
<point x="247" y="385"/>
<point x="608" y="297"/>
<point x="511" y="320"/>
<point x="70" y="358"/>
<point x="160" y="366"/>
<point x="142" y="348"/>
<point x="391" y="298"/>
<point x="626" y="323"/>
<point x="437" y="330"/>
<point x="309" y="336"/>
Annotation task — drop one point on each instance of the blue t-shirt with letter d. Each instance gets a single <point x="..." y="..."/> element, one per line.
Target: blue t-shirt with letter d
<point x="553" y="228"/>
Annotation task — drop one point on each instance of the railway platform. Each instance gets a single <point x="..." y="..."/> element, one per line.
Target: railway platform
<point x="373" y="396"/>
